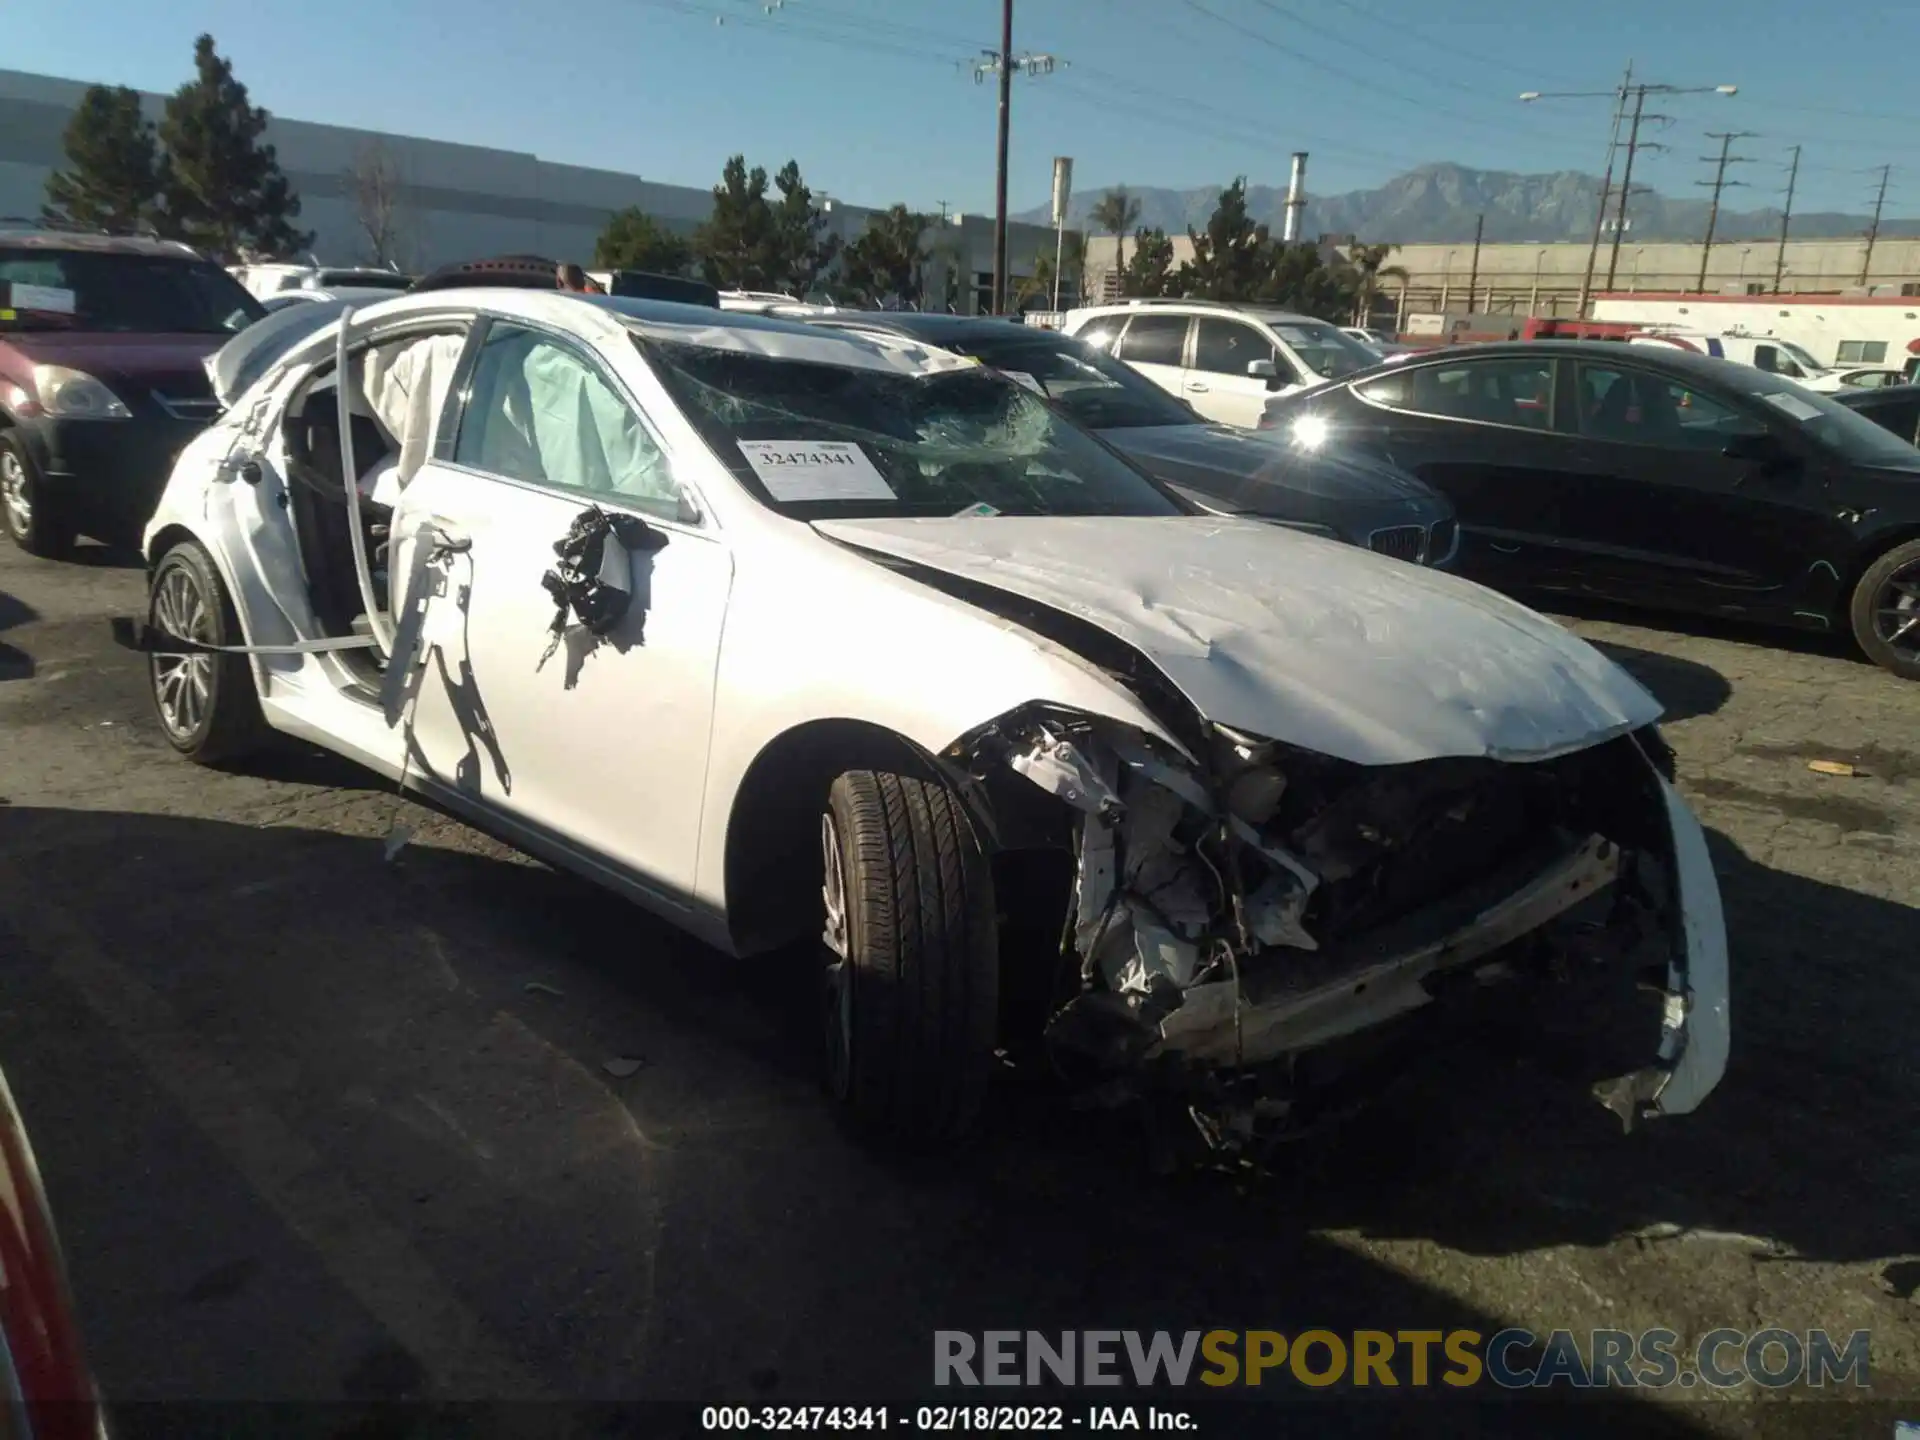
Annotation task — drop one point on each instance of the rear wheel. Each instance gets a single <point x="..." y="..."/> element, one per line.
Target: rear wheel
<point x="33" y="518"/>
<point x="912" y="963"/>
<point x="1886" y="611"/>
<point x="208" y="705"/>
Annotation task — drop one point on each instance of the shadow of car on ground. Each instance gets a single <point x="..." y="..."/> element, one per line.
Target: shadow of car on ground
<point x="440" y="1031"/>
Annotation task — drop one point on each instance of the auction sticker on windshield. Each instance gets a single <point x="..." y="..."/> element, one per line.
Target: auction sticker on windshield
<point x="1793" y="405"/>
<point x="815" y="470"/>
<point x="47" y="299"/>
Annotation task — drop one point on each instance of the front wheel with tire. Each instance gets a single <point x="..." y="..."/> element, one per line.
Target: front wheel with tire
<point x="912" y="991"/>
<point x="33" y="518"/>
<point x="1885" y="611"/>
<point x="208" y="705"/>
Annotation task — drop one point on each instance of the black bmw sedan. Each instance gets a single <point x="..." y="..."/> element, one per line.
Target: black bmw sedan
<point x="1658" y="478"/>
<point x="1362" y="501"/>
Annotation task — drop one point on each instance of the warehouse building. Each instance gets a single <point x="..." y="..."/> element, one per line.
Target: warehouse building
<point x="455" y="202"/>
<point x="1516" y="280"/>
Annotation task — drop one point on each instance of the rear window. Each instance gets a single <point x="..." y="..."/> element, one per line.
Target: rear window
<point x="100" y="291"/>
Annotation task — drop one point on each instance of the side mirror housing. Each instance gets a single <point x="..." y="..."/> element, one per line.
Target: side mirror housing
<point x="1263" y="370"/>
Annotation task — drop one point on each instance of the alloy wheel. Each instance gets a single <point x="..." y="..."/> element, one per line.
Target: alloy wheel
<point x="839" y="975"/>
<point x="182" y="684"/>
<point x="13" y="492"/>
<point x="1896" y="610"/>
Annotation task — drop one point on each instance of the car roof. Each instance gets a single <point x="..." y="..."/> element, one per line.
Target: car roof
<point x="1671" y="358"/>
<point x="1866" y="399"/>
<point x="935" y="329"/>
<point x="98" y="244"/>
<point x="667" y="321"/>
<point x="1273" y="314"/>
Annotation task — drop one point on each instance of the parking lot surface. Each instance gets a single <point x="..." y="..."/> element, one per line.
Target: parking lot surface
<point x="319" y="1126"/>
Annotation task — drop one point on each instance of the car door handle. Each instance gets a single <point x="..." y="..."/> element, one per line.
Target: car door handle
<point x="1196" y="389"/>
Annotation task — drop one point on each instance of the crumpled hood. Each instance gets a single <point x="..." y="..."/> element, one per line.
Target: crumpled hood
<point x="1177" y="452"/>
<point x="1294" y="638"/>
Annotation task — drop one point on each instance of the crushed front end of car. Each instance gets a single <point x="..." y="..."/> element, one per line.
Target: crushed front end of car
<point x="1248" y="920"/>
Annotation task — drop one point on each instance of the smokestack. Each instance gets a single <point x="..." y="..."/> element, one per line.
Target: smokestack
<point x="1296" y="198"/>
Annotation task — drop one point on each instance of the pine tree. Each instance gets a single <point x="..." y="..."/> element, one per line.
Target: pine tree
<point x="115" y="169"/>
<point x="803" y="250"/>
<point x="1234" y="258"/>
<point x="225" y="192"/>
<point x="634" y="240"/>
<point x="887" y="263"/>
<point x="735" y="245"/>
<point x="1149" y="269"/>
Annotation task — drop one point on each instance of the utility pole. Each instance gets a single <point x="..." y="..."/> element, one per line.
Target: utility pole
<point x="1786" y="218"/>
<point x="1639" y="93"/>
<point x="1000" y="164"/>
<point x="1873" y="230"/>
<point x="1473" y="270"/>
<point x="1002" y="63"/>
<point x="1719" y="183"/>
<point x="1606" y="193"/>
<point x="1626" y="180"/>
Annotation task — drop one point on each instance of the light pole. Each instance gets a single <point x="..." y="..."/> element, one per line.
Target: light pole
<point x="1620" y="95"/>
<point x="1446" y="281"/>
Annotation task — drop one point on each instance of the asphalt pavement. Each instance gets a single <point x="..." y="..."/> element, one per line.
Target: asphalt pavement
<point x="318" y="1127"/>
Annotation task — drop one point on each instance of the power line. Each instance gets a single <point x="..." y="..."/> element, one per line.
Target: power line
<point x="1372" y="88"/>
<point x="1426" y="37"/>
<point x="1719" y="183"/>
<point x="1437" y="81"/>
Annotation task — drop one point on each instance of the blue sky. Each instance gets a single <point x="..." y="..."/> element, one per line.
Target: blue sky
<point x="876" y="99"/>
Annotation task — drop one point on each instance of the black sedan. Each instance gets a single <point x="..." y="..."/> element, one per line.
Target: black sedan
<point x="1891" y="407"/>
<point x="1653" y="477"/>
<point x="1363" y="502"/>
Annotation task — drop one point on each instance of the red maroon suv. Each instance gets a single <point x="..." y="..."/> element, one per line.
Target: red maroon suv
<point x="101" y="382"/>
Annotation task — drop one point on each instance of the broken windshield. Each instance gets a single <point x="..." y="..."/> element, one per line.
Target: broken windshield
<point x="816" y="440"/>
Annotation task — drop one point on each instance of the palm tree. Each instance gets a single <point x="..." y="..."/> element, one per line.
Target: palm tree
<point x="1369" y="262"/>
<point x="1117" y="212"/>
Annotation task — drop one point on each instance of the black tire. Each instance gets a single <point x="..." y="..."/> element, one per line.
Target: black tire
<point x="217" y="718"/>
<point x="35" y="519"/>
<point x="1888" y="590"/>
<point x="913" y="987"/>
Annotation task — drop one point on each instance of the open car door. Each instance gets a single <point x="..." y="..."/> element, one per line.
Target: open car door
<point x="557" y="612"/>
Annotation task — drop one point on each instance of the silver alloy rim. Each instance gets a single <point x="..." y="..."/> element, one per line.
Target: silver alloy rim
<point x="13" y="492"/>
<point x="839" y="977"/>
<point x="182" y="684"/>
<point x="1896" y="610"/>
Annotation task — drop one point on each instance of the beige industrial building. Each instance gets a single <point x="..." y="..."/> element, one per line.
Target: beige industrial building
<point x="1521" y="280"/>
<point x="456" y="202"/>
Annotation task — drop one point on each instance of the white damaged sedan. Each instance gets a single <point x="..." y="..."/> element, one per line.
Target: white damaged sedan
<point x="814" y="638"/>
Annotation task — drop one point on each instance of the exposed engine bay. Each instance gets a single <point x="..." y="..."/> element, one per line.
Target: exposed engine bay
<point x="1230" y="916"/>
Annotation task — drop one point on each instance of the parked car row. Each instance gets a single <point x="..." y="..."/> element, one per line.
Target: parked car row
<point x="883" y="642"/>
<point x="1653" y="476"/>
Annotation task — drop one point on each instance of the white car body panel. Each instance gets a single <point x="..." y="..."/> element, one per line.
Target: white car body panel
<point x="1297" y="638"/>
<point x="626" y="758"/>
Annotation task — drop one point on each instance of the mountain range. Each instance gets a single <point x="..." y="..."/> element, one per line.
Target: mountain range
<point x="1438" y="204"/>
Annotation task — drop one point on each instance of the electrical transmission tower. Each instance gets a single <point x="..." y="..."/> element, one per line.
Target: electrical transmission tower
<point x="1719" y="183"/>
<point x="1873" y="230"/>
